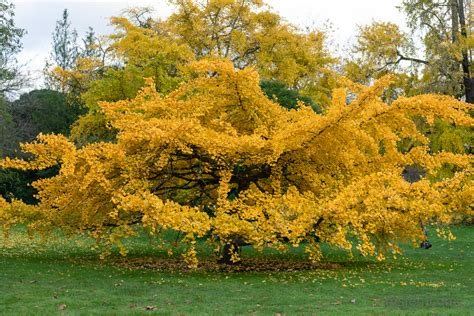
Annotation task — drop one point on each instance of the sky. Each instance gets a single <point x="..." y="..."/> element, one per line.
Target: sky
<point x="38" y="18"/>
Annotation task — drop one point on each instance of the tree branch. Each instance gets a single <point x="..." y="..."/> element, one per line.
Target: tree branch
<point x="413" y="59"/>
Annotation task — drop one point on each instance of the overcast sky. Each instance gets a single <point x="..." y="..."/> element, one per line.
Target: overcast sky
<point x="38" y="18"/>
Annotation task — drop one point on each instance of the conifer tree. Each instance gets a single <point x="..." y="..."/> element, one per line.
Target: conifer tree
<point x="11" y="78"/>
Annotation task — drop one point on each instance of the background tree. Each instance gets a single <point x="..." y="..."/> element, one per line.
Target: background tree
<point x="43" y="111"/>
<point x="381" y="48"/>
<point x="11" y="78"/>
<point x="90" y="45"/>
<point x="7" y="140"/>
<point x="65" y="48"/>
<point x="288" y="98"/>
<point x="39" y="111"/>
<point x="446" y="37"/>
<point x="140" y="16"/>
<point x="446" y="27"/>
<point x="248" y="34"/>
<point x="65" y="51"/>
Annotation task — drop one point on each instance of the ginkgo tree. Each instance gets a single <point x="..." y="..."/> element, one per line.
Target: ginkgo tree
<point x="382" y="48"/>
<point x="217" y="159"/>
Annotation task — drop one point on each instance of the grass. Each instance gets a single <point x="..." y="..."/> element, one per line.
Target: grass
<point x="67" y="278"/>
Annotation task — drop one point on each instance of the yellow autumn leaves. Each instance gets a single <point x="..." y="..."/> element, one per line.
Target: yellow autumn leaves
<point x="216" y="158"/>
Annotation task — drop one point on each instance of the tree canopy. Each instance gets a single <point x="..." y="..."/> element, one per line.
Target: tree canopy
<point x="217" y="159"/>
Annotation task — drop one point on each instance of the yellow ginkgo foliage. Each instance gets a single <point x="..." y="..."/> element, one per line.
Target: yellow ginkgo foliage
<point x="217" y="159"/>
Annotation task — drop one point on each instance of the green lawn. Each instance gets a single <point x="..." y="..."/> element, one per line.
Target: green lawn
<point x="68" y="278"/>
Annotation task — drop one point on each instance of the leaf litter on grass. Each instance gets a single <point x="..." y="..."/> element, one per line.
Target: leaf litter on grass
<point x="210" y="265"/>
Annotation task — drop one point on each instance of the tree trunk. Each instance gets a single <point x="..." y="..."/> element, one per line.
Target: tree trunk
<point x="227" y="252"/>
<point x="455" y="64"/>
<point x="469" y="89"/>
<point x="454" y="4"/>
<point x="467" y="80"/>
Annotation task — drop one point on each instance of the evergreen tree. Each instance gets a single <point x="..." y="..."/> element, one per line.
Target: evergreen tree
<point x="90" y="44"/>
<point x="10" y="45"/>
<point x="287" y="98"/>
<point x="65" y="47"/>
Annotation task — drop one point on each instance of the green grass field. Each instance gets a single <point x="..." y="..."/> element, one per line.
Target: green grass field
<point x="67" y="277"/>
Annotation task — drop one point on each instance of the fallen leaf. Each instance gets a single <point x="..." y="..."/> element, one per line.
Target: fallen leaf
<point x="62" y="307"/>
